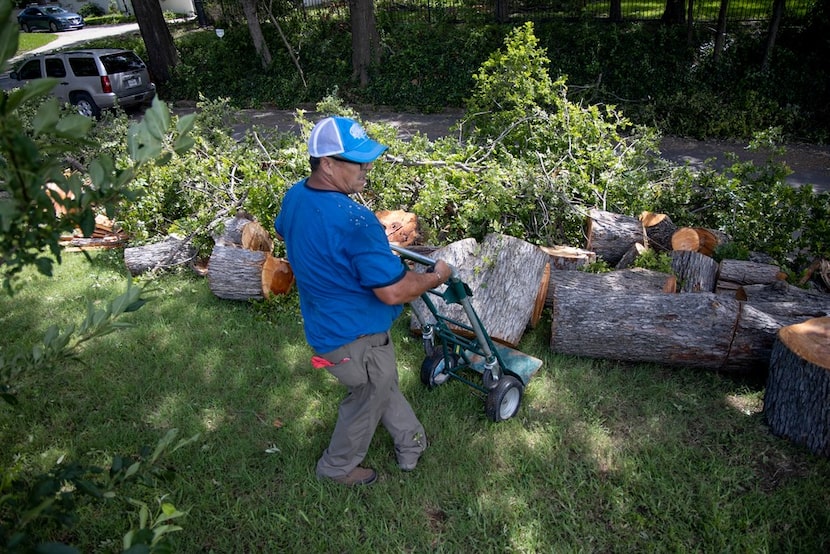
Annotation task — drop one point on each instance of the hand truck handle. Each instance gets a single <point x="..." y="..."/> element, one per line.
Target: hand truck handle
<point x="420" y="258"/>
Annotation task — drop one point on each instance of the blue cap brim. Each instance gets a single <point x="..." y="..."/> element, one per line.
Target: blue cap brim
<point x="367" y="151"/>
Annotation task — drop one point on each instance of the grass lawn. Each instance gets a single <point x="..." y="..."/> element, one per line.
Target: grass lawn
<point x="602" y="457"/>
<point x="30" y="41"/>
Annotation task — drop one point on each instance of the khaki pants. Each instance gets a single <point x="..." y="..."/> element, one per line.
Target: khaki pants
<point x="367" y="368"/>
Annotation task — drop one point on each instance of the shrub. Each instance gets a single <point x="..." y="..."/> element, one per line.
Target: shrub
<point x="91" y="9"/>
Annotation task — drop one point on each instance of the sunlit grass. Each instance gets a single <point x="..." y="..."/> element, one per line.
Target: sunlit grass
<point x="602" y="457"/>
<point x="30" y="41"/>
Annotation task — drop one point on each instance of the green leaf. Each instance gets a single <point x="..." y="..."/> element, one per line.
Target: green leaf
<point x="74" y="126"/>
<point x="47" y="117"/>
<point x="9" y="34"/>
<point x="32" y="89"/>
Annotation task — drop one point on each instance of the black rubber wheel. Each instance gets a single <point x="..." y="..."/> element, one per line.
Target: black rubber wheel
<point x="86" y="105"/>
<point x="504" y="399"/>
<point x="25" y="28"/>
<point x="434" y="370"/>
<point x="53" y="26"/>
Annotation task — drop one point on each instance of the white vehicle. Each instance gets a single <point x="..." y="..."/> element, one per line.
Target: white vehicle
<point x="93" y="80"/>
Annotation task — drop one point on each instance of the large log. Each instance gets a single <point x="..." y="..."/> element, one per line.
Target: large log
<point x="161" y="255"/>
<point x="788" y="304"/>
<point x="610" y="235"/>
<point x="240" y="274"/>
<point x="744" y="272"/>
<point x="630" y="281"/>
<point x="505" y="275"/>
<point x="230" y="231"/>
<point x="402" y="228"/>
<point x="659" y="229"/>
<point x="797" y="396"/>
<point x="695" y="272"/>
<point x="702" y="330"/>
<point x="698" y="239"/>
<point x="568" y="257"/>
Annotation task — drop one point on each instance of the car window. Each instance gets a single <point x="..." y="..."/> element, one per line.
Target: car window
<point x="30" y="70"/>
<point x="54" y="9"/>
<point x="83" y="67"/>
<point x="55" y="67"/>
<point x="122" y="62"/>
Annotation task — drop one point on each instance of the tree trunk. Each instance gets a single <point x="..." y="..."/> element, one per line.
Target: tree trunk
<point x="778" y="8"/>
<point x="615" y="11"/>
<point x="505" y="275"/>
<point x="240" y="274"/>
<point x="674" y="12"/>
<point x="161" y="50"/>
<point x="630" y="281"/>
<point x="743" y="272"/>
<point x="797" y="397"/>
<point x="502" y="11"/>
<point x="365" y="39"/>
<point x="788" y="304"/>
<point x="631" y="256"/>
<point x="693" y="330"/>
<point x="249" y="8"/>
<point x="720" y="35"/>
<point x="695" y="272"/>
<point x="610" y="235"/>
<point x="659" y="229"/>
<point x="698" y="239"/>
<point x="161" y="255"/>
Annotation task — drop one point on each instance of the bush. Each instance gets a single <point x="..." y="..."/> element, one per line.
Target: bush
<point x="91" y="9"/>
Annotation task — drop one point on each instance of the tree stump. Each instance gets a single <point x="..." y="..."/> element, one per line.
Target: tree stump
<point x="697" y="239"/>
<point x="797" y="397"/>
<point x="161" y="255"/>
<point x="505" y="275"/>
<point x="702" y="330"/>
<point x="695" y="272"/>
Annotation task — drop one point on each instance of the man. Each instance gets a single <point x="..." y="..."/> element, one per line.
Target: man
<point x="351" y="288"/>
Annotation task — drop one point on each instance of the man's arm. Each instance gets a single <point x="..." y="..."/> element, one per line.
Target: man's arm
<point x="413" y="285"/>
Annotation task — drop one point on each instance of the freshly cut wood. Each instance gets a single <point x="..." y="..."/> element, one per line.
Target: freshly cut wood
<point x="631" y="256"/>
<point x="744" y="272"/>
<point x="610" y="235"/>
<point x="628" y="281"/>
<point x="797" y="396"/>
<point x="696" y="272"/>
<point x="659" y="229"/>
<point x="255" y="237"/>
<point x="568" y="257"/>
<point x="697" y="239"/>
<point x="169" y="253"/>
<point x="236" y="273"/>
<point x="401" y="226"/>
<point x="504" y="274"/>
<point x="703" y="330"/>
<point x="541" y="295"/>
<point x="789" y="304"/>
<point x="277" y="276"/>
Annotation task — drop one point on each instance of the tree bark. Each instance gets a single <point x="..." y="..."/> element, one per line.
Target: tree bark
<point x="161" y="255"/>
<point x="365" y="39"/>
<point x="239" y="274"/>
<point x="797" y="396"/>
<point x="659" y="229"/>
<point x="695" y="272"/>
<point x="744" y="272"/>
<point x="788" y="304"/>
<point x="615" y="11"/>
<point x="720" y="34"/>
<point x="161" y="50"/>
<point x="630" y="281"/>
<point x="568" y="258"/>
<point x="703" y="330"/>
<point x="778" y="8"/>
<point x="610" y="235"/>
<point x="674" y="12"/>
<point x="249" y="8"/>
<point x="698" y="239"/>
<point x="505" y="275"/>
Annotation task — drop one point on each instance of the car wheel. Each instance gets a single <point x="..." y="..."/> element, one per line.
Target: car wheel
<point x="53" y="27"/>
<point x="86" y="105"/>
<point x="25" y="28"/>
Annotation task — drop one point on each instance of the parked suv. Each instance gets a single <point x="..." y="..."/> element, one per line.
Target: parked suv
<point x="93" y="80"/>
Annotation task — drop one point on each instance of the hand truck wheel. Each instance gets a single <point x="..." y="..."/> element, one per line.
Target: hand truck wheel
<point x="504" y="399"/>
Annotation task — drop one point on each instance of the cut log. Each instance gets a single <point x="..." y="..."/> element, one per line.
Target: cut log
<point x="231" y="230"/>
<point x="255" y="237"/>
<point x="749" y="273"/>
<point x="695" y="272"/>
<point x="401" y="227"/>
<point x="631" y="256"/>
<point x="629" y="281"/>
<point x="659" y="229"/>
<point x="788" y="304"/>
<point x="698" y="239"/>
<point x="240" y="274"/>
<point x="797" y="396"/>
<point x="610" y="235"/>
<point x="568" y="258"/>
<point x="703" y="330"/>
<point x="505" y="275"/>
<point x="161" y="255"/>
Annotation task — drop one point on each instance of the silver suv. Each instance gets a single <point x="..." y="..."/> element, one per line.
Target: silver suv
<point x="93" y="80"/>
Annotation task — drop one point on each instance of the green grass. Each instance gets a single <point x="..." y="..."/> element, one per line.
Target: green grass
<point x="602" y="457"/>
<point x="30" y="41"/>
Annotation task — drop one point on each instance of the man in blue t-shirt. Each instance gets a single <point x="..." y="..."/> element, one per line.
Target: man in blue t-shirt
<point x="351" y="289"/>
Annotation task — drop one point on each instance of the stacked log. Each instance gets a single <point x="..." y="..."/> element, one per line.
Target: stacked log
<point x="242" y="267"/>
<point x="797" y="396"/>
<point x="171" y="252"/>
<point x="505" y="275"/>
<point x="698" y="239"/>
<point x="610" y="235"/>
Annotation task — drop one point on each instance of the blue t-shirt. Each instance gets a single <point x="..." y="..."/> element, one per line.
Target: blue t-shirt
<point x="339" y="252"/>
